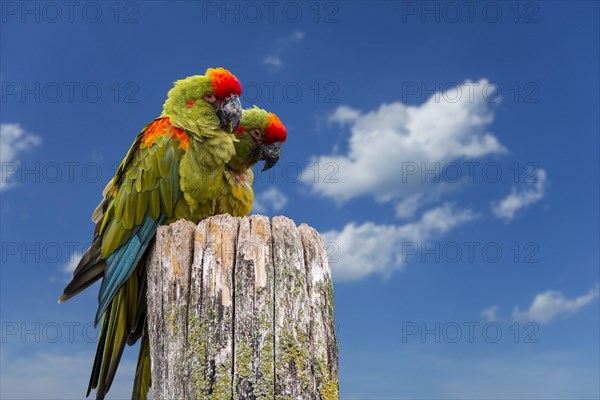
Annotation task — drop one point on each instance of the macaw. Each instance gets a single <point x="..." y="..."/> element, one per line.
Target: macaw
<point x="174" y="169"/>
<point x="259" y="138"/>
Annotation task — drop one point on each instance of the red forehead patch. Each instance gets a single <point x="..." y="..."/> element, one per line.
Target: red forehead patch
<point x="224" y="82"/>
<point x="275" y="131"/>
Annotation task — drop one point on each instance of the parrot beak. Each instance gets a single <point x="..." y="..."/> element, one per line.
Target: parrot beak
<point x="230" y="113"/>
<point x="270" y="153"/>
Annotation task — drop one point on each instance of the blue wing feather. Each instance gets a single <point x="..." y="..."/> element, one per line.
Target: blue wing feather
<point x="123" y="261"/>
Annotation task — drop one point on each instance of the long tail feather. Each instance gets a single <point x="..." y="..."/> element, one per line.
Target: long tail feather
<point x="143" y="378"/>
<point x="117" y="322"/>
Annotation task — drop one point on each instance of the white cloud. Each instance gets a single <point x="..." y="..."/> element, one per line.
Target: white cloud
<point x="294" y="37"/>
<point x="408" y="206"/>
<point x="270" y="199"/>
<point x="297" y="36"/>
<point x="344" y="115"/>
<point x="361" y="250"/>
<point x="14" y="140"/>
<point x="552" y="304"/>
<point x="274" y="59"/>
<point x="385" y="141"/>
<point x="491" y="314"/>
<point x="507" y="208"/>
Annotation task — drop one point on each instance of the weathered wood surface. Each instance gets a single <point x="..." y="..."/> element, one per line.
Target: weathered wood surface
<point x="241" y="308"/>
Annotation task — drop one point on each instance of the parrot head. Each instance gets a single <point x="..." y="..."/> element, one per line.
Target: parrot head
<point x="260" y="136"/>
<point x="204" y="103"/>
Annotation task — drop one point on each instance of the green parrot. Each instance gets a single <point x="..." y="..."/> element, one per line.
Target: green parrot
<point x="259" y="137"/>
<point x="174" y="169"/>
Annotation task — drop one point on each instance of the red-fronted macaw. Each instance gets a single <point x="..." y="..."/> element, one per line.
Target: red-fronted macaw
<point x="175" y="169"/>
<point x="259" y="137"/>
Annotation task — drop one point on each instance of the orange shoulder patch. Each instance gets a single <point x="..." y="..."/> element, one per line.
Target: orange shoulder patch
<point x="162" y="127"/>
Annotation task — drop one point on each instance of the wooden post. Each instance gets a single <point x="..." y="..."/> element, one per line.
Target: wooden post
<point x="241" y="308"/>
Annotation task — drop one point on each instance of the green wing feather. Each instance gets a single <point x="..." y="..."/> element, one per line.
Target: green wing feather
<point x="142" y="193"/>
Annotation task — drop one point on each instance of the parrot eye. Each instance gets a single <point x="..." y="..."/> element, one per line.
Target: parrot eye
<point x="256" y="134"/>
<point x="211" y="98"/>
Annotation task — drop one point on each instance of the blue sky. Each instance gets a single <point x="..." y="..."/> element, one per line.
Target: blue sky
<point x="447" y="153"/>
